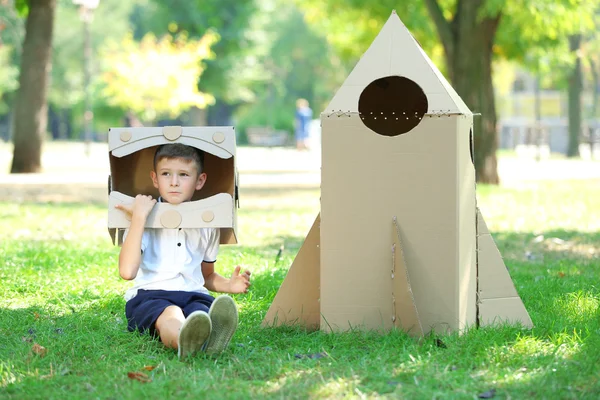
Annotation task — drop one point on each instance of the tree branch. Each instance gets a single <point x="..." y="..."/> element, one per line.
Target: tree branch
<point x="443" y="26"/>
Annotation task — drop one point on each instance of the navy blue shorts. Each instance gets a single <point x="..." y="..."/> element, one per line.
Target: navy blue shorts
<point x="143" y="310"/>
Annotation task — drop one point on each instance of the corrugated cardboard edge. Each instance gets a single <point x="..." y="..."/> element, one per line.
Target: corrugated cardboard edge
<point x="297" y="301"/>
<point x="222" y="205"/>
<point x="202" y="137"/>
<point x="499" y="301"/>
<point x="406" y="315"/>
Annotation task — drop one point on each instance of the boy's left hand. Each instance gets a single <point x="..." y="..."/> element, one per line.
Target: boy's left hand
<point x="239" y="282"/>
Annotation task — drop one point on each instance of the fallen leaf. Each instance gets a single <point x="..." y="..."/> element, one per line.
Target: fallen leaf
<point x="561" y="274"/>
<point x="39" y="350"/>
<point x="139" y="376"/>
<point x="150" y="367"/>
<point x="36" y="315"/>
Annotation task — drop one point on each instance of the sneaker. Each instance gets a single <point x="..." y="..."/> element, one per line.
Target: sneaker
<point x="224" y="317"/>
<point x="193" y="334"/>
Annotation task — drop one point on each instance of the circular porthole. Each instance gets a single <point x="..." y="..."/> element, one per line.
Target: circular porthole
<point x="392" y="105"/>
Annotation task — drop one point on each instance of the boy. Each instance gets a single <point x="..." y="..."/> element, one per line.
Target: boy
<point x="176" y="267"/>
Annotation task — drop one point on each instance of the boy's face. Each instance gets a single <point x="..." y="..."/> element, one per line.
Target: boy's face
<point x="177" y="179"/>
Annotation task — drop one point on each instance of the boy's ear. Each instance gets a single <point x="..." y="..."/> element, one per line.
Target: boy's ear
<point x="201" y="181"/>
<point x="154" y="179"/>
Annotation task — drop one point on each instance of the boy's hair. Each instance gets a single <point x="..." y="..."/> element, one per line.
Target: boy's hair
<point x="178" y="150"/>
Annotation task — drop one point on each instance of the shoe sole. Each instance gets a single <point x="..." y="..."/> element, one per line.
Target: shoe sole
<point x="194" y="332"/>
<point x="224" y="317"/>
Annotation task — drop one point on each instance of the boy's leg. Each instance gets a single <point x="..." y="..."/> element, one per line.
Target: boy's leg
<point x="168" y="325"/>
<point x="187" y="335"/>
<point x="164" y="313"/>
<point x="224" y="317"/>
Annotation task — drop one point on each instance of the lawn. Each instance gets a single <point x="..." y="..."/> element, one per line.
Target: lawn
<point x="64" y="333"/>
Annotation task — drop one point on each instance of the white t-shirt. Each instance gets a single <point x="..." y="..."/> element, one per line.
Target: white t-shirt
<point x="172" y="259"/>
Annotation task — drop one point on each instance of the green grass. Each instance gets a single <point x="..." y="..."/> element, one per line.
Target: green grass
<point x="61" y="290"/>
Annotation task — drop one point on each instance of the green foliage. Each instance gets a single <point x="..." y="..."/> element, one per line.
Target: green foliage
<point x="66" y="92"/>
<point x="234" y="52"/>
<point x="61" y="290"/>
<point x="535" y="35"/>
<point x="22" y="7"/>
<point x="299" y="64"/>
<point x="351" y="25"/>
<point x="67" y="88"/>
<point x="9" y="75"/>
<point x="531" y="32"/>
<point x="156" y="77"/>
<point x="265" y="113"/>
<point x="11" y="27"/>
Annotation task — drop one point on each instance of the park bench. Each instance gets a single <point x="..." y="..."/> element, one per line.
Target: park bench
<point x="267" y="137"/>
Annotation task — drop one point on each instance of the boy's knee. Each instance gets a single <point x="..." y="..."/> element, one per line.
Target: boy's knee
<point x="168" y="316"/>
<point x="172" y="312"/>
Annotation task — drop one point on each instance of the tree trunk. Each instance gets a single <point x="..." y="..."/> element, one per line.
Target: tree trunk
<point x="468" y="41"/>
<point x="31" y="108"/>
<point x="197" y="116"/>
<point x="596" y="88"/>
<point x="574" y="95"/>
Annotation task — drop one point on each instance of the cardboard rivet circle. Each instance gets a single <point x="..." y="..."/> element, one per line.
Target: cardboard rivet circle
<point x="170" y="219"/>
<point x="208" y="216"/>
<point x="218" y="137"/>
<point x="125" y="136"/>
<point x="171" y="132"/>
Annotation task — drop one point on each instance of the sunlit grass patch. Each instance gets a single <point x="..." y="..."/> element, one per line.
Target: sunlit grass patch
<point x="577" y="307"/>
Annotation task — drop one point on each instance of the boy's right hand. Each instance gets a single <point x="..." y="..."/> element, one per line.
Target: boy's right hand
<point x="141" y="207"/>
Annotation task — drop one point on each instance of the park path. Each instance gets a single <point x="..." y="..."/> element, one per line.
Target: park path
<point x="70" y="174"/>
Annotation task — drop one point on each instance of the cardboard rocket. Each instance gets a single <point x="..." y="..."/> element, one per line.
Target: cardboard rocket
<point x="131" y="154"/>
<point x="399" y="242"/>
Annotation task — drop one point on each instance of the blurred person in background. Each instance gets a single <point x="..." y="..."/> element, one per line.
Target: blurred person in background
<point x="302" y="123"/>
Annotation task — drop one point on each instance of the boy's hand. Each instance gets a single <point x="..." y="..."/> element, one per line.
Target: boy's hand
<point x="239" y="283"/>
<point x="142" y="206"/>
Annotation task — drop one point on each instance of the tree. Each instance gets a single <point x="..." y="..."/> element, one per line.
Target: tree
<point x="574" y="97"/>
<point x="66" y="96"/>
<point x="8" y="75"/>
<point x="9" y="34"/>
<point x="156" y="77"/>
<point x="299" y="63"/>
<point x="472" y="33"/>
<point x="226" y="74"/>
<point x="468" y="38"/>
<point x="30" y="116"/>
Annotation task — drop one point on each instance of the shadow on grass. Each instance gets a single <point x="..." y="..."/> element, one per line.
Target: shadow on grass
<point x="548" y="246"/>
<point x="56" y="195"/>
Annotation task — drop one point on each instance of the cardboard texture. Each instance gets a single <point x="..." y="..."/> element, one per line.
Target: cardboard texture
<point x="396" y="146"/>
<point x="131" y="154"/>
<point x="404" y="314"/>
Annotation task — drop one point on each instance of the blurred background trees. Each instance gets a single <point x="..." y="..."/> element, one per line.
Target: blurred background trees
<point x="526" y="66"/>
